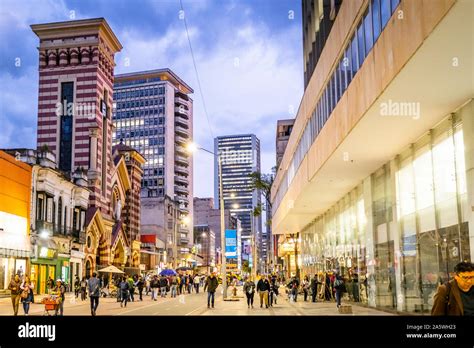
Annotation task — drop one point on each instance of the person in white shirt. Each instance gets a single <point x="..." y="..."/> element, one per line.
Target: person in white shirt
<point x="197" y="282"/>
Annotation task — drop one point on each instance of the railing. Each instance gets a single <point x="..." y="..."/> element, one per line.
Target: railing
<point x="60" y="230"/>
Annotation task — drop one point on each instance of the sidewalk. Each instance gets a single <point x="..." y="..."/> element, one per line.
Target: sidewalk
<point x="38" y="308"/>
<point x="284" y="307"/>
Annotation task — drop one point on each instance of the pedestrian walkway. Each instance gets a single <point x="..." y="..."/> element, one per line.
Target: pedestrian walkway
<point x="283" y="307"/>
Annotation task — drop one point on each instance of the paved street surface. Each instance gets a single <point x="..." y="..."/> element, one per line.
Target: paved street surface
<point x="190" y="304"/>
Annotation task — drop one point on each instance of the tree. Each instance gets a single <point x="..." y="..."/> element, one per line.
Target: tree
<point x="263" y="183"/>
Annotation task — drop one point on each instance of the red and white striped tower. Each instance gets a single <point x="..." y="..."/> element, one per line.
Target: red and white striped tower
<point x="80" y="55"/>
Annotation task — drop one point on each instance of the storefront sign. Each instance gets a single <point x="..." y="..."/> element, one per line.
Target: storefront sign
<point x="46" y="253"/>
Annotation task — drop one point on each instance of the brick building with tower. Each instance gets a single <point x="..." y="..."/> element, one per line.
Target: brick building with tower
<point x="76" y="76"/>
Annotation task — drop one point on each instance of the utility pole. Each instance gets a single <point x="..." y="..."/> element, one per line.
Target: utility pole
<point x="221" y="204"/>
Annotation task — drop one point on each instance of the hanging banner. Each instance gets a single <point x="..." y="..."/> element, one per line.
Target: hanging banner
<point x="231" y="244"/>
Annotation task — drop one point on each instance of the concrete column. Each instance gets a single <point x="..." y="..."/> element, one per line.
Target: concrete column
<point x="369" y="241"/>
<point x="467" y="115"/>
<point x="395" y="235"/>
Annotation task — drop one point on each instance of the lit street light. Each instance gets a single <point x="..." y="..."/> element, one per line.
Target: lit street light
<point x="191" y="147"/>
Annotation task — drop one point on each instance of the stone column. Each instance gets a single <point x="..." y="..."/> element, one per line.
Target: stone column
<point x="467" y="114"/>
<point x="369" y="241"/>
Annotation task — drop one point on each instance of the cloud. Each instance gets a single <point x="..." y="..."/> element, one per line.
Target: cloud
<point x="250" y="68"/>
<point x="250" y="78"/>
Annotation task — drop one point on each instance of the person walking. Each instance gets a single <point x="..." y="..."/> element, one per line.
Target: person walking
<point x="163" y="286"/>
<point x="15" y="292"/>
<point x="124" y="288"/>
<point x="77" y="286"/>
<point x="83" y="286"/>
<point x="154" y="284"/>
<point x="190" y="283"/>
<point x="60" y="291"/>
<point x="174" y="286"/>
<point x="249" y="289"/>
<point x="305" y="287"/>
<point x="275" y="284"/>
<point x="456" y="297"/>
<point x="26" y="294"/>
<point x="147" y="284"/>
<point x="180" y="284"/>
<point x="94" y="292"/>
<point x="131" y="288"/>
<point x="339" y="287"/>
<point x="211" y="285"/>
<point x="140" y="284"/>
<point x="263" y="287"/>
<point x="294" y="285"/>
<point x="196" y="282"/>
<point x="314" y="287"/>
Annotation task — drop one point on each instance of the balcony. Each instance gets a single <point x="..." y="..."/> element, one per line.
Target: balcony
<point x="181" y="159"/>
<point x="180" y="110"/>
<point x="181" y="170"/>
<point x="182" y="131"/>
<point x="181" y="140"/>
<point x="184" y="241"/>
<point x="60" y="231"/>
<point x="181" y="150"/>
<point x="181" y="179"/>
<point x="181" y="190"/>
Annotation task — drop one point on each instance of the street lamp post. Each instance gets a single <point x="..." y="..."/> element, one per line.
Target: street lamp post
<point x="192" y="148"/>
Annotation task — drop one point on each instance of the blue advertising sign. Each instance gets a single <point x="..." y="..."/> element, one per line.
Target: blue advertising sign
<point x="231" y="244"/>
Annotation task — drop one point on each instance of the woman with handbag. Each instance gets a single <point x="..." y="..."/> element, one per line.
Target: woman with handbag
<point x="26" y="294"/>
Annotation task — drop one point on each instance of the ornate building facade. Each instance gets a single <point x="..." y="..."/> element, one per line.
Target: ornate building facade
<point x="76" y="68"/>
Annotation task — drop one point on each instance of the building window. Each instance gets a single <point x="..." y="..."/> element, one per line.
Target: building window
<point x="385" y="12"/>
<point x="360" y="41"/>
<point x="369" y="38"/>
<point x="65" y="142"/>
<point x="376" y="21"/>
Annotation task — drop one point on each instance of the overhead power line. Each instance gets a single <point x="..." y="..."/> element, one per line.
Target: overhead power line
<point x="196" y="70"/>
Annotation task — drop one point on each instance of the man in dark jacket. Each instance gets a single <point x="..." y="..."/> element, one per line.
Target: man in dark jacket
<point x="211" y="286"/>
<point x="457" y="296"/>
<point x="163" y="286"/>
<point x="94" y="292"/>
<point x="314" y="287"/>
<point x="15" y="291"/>
<point x="263" y="287"/>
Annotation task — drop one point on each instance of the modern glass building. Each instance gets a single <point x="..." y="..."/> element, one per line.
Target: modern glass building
<point x="240" y="156"/>
<point x="154" y="115"/>
<point x="377" y="178"/>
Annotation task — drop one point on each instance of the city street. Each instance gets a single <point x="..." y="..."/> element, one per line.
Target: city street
<point x="191" y="304"/>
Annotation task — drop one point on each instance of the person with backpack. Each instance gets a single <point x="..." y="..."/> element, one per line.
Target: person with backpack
<point x="131" y="289"/>
<point x="94" y="292"/>
<point x="163" y="286"/>
<point x="26" y="294"/>
<point x="456" y="297"/>
<point x="249" y="289"/>
<point x="339" y="288"/>
<point x="124" y="288"/>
